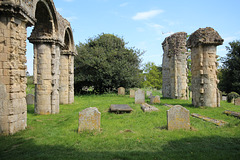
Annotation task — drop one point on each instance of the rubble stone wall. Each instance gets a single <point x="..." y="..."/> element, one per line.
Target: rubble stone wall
<point x="175" y="66"/>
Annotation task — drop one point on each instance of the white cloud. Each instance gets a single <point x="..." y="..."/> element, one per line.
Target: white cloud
<point x="124" y="4"/>
<point x="71" y="18"/>
<point x="147" y="15"/>
<point x="157" y="27"/>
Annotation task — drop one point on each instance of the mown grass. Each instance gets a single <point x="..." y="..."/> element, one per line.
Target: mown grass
<point x="136" y="135"/>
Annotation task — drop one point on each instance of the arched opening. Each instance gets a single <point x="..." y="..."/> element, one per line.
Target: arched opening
<point x="66" y="41"/>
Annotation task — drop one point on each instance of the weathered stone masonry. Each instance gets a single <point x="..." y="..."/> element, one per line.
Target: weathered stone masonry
<point x="53" y="42"/>
<point x="175" y="66"/>
<point x="204" y="64"/>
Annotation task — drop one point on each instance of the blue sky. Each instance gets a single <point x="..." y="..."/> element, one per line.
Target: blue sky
<point x="146" y="23"/>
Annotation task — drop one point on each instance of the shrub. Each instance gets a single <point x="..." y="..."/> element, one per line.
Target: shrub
<point x="231" y="96"/>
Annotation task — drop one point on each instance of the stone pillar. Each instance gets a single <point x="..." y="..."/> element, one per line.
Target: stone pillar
<point x="174" y="66"/>
<point x="204" y="64"/>
<point x="66" y="90"/>
<point x="13" y="107"/>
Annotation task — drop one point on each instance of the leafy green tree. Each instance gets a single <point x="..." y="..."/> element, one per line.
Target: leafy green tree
<point x="105" y="63"/>
<point x="152" y="76"/>
<point x="230" y="71"/>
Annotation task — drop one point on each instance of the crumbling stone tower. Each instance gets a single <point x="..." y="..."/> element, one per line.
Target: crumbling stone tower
<point x="203" y="44"/>
<point x="53" y="60"/>
<point x="174" y="66"/>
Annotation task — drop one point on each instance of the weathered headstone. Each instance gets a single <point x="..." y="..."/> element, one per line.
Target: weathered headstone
<point x="121" y="91"/>
<point x="139" y="97"/>
<point x="149" y="93"/>
<point x="224" y="98"/>
<point x="155" y="99"/>
<point x="132" y="93"/>
<point x="148" y="108"/>
<point x="120" y="108"/>
<point x="89" y="119"/>
<point x="237" y="101"/>
<point x="30" y="99"/>
<point x="178" y="118"/>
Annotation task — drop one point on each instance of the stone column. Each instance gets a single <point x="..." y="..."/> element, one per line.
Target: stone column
<point x="174" y="66"/>
<point x="13" y="107"/>
<point x="66" y="78"/>
<point x="203" y="43"/>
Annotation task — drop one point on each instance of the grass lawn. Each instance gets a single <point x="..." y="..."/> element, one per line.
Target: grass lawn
<point x="137" y="135"/>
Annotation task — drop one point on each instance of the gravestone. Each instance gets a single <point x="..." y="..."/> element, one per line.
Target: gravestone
<point x="149" y="93"/>
<point x="155" y="99"/>
<point x="148" y="108"/>
<point x="89" y="119"/>
<point x="30" y="98"/>
<point x="121" y="91"/>
<point x="237" y="101"/>
<point x="178" y="118"/>
<point x="132" y="93"/>
<point x="120" y="108"/>
<point x="139" y="97"/>
<point x="224" y="98"/>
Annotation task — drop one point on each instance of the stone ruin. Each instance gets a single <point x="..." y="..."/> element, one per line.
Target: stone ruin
<point x="174" y="66"/>
<point x="54" y="52"/>
<point x="203" y="44"/>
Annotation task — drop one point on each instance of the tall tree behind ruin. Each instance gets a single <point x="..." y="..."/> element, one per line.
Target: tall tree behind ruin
<point x="230" y="70"/>
<point x="105" y="63"/>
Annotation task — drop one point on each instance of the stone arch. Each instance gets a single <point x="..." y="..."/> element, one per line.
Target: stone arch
<point x="48" y="38"/>
<point x="66" y="83"/>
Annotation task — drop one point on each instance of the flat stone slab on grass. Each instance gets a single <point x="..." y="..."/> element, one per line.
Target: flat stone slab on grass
<point x="231" y="113"/>
<point x="120" y="108"/>
<point x="148" y="108"/>
<point x="215" y="121"/>
<point x="168" y="105"/>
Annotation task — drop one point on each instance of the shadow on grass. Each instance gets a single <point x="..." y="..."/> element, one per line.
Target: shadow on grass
<point x="207" y="148"/>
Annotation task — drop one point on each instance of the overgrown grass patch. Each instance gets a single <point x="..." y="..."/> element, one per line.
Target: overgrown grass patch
<point x="137" y="135"/>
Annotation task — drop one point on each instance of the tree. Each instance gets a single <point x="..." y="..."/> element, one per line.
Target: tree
<point x="105" y="63"/>
<point x="152" y="76"/>
<point x="230" y="71"/>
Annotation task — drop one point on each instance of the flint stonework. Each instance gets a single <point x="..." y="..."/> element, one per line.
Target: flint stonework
<point x="174" y="65"/>
<point x="178" y="118"/>
<point x="203" y="44"/>
<point x="89" y="120"/>
<point x="51" y="35"/>
<point x="139" y="96"/>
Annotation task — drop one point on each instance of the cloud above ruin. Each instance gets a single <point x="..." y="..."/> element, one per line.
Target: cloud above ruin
<point x="147" y="15"/>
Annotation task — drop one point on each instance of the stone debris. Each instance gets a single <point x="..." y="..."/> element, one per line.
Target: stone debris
<point x="203" y="44"/>
<point x="217" y="122"/>
<point x="232" y="113"/>
<point x="121" y="91"/>
<point x="174" y="66"/>
<point x="178" y="118"/>
<point x="139" y="96"/>
<point x="89" y="120"/>
<point x="148" y="108"/>
<point x="155" y="100"/>
<point x="120" y="108"/>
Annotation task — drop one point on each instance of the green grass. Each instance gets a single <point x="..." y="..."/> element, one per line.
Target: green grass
<point x="136" y="135"/>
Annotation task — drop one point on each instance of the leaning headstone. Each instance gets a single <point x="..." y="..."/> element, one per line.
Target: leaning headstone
<point x="89" y="119"/>
<point x="30" y="99"/>
<point x="139" y="97"/>
<point x="178" y="118"/>
<point x="120" y="108"/>
<point x="148" y="108"/>
<point x="155" y="99"/>
<point x="132" y="93"/>
<point x="121" y="91"/>
<point x="237" y="101"/>
<point x="149" y="93"/>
